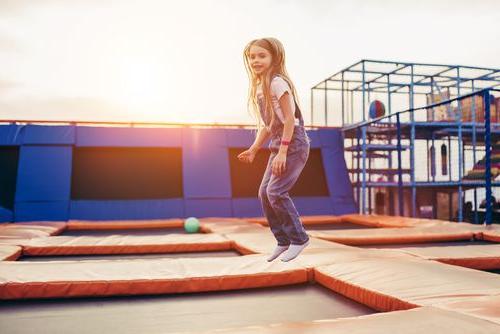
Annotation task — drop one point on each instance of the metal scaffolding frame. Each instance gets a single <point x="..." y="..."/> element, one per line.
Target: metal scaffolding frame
<point x="368" y="77"/>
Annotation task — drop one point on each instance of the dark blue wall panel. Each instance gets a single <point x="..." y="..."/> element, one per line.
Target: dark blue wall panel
<point x="113" y="210"/>
<point x="239" y="137"/>
<point x="313" y="205"/>
<point x="205" y="164"/>
<point x="50" y="210"/>
<point x="57" y="135"/>
<point x="11" y="135"/>
<point x="44" y="173"/>
<point x="5" y="215"/>
<point x="129" y="137"/>
<point x="330" y="138"/>
<point x="315" y="139"/>
<point x="336" y="171"/>
<point x="247" y="207"/>
<point x="208" y="207"/>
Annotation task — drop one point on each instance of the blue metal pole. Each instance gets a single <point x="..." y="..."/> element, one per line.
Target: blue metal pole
<point x="474" y="158"/>
<point x="312" y="107"/>
<point x="352" y="107"/>
<point x="412" y="151"/>
<point x="343" y="120"/>
<point x="389" y="112"/>
<point x="363" y="88"/>
<point x="326" y="104"/>
<point x="487" y="147"/>
<point x="449" y="158"/>
<point x="358" y="188"/>
<point x="460" y="156"/>
<point x="363" y="175"/>
<point x="400" y="173"/>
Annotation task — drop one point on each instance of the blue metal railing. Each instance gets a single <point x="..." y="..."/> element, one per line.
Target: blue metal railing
<point x="462" y="129"/>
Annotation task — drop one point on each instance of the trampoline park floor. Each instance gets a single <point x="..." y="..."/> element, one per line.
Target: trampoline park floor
<point x="130" y="256"/>
<point x="311" y="301"/>
<point x="430" y="244"/>
<point x="174" y="313"/>
<point x="138" y="232"/>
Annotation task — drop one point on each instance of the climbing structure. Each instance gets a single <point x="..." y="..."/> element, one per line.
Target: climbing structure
<point x="434" y="153"/>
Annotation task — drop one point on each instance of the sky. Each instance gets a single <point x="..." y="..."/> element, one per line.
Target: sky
<point x="181" y="61"/>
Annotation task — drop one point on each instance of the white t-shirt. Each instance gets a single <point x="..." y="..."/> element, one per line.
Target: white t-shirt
<point x="278" y="87"/>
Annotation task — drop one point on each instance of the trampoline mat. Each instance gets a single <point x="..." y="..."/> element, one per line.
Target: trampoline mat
<point x="142" y="232"/>
<point x="336" y="226"/>
<point x="178" y="312"/>
<point x="129" y="256"/>
<point x="430" y="244"/>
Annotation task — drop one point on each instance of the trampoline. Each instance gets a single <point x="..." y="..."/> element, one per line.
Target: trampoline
<point x="186" y="312"/>
<point x="130" y="256"/>
<point x="150" y="231"/>
<point x="127" y="278"/>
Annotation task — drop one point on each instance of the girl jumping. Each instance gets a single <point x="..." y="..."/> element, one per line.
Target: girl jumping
<point x="272" y="97"/>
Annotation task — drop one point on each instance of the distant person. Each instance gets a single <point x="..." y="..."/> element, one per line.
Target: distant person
<point x="272" y="97"/>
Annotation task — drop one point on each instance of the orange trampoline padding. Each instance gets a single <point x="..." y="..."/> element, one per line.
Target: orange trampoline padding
<point x="126" y="244"/>
<point x="482" y="257"/>
<point x="419" y="320"/>
<point x="123" y="224"/>
<point x="10" y="252"/>
<point x="492" y="234"/>
<point x="482" y="307"/>
<point x="30" y="230"/>
<point x="19" y="280"/>
<point x="218" y="226"/>
<point x="389" y="284"/>
<point x="265" y="242"/>
<point x="381" y="236"/>
<point x="389" y="221"/>
<point x="22" y="233"/>
<point x="306" y="220"/>
<point x="319" y="252"/>
<point x="53" y="228"/>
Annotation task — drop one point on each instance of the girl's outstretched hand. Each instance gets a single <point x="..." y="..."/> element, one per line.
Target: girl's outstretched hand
<point x="247" y="156"/>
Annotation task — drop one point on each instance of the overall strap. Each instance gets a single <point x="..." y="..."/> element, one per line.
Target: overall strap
<point x="298" y="113"/>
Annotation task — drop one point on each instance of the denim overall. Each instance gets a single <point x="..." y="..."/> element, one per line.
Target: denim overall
<point x="277" y="205"/>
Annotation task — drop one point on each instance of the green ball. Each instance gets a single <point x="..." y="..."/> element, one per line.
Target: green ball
<point x="191" y="225"/>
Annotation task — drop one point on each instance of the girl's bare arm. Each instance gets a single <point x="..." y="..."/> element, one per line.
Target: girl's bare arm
<point x="289" y="123"/>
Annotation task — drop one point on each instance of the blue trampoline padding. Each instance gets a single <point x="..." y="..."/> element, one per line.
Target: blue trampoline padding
<point x="343" y="205"/>
<point x="245" y="138"/>
<point x="330" y="138"/>
<point x="44" y="173"/>
<point x="134" y="209"/>
<point x="11" y="135"/>
<point x="129" y="137"/>
<point x="336" y="174"/>
<point x="315" y="138"/>
<point x="37" y="134"/>
<point x="53" y="210"/>
<point x="208" y="207"/>
<point x="247" y="207"/>
<point x="240" y="137"/>
<point x="5" y="215"/>
<point x="205" y="159"/>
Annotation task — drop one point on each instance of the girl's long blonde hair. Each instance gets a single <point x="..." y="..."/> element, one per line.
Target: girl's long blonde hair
<point x="277" y="51"/>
